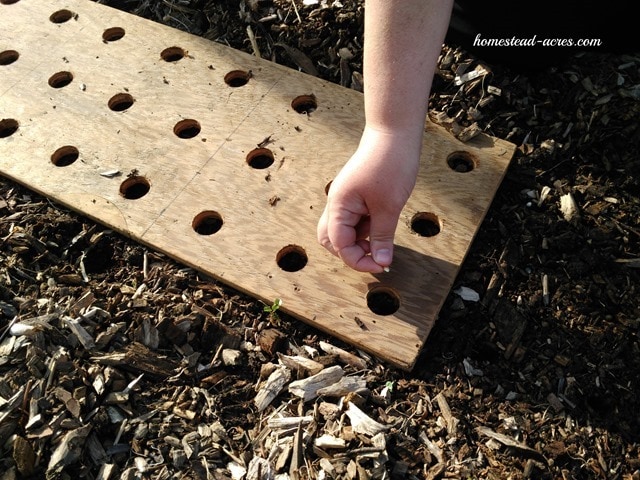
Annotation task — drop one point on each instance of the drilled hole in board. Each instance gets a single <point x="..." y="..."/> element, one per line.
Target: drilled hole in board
<point x="187" y="128"/>
<point x="8" y="2"/>
<point x="65" y="156"/>
<point x="426" y="224"/>
<point x="134" y="187"/>
<point x="173" y="54"/>
<point x="62" y="16"/>
<point x="292" y="258"/>
<point x="207" y="222"/>
<point x="120" y="102"/>
<point x="260" y="158"/>
<point x="60" y="79"/>
<point x="461" y="162"/>
<point x="113" y="34"/>
<point x="383" y="300"/>
<point x="8" y="126"/>
<point x="8" y="57"/>
<point x="304" y="103"/>
<point x="237" y="78"/>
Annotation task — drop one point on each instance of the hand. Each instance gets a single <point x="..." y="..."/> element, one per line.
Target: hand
<point x="365" y="199"/>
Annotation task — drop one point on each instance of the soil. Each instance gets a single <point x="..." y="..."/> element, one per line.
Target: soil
<point x="116" y="362"/>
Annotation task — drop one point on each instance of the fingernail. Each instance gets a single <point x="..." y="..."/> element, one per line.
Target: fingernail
<point x="382" y="257"/>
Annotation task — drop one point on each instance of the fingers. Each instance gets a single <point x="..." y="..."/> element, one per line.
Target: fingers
<point x="357" y="257"/>
<point x="345" y="234"/>
<point x="361" y="215"/>
<point x="383" y="229"/>
<point x="347" y="241"/>
<point x="363" y="227"/>
<point x="323" y="233"/>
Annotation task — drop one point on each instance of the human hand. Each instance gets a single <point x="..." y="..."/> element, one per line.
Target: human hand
<point x="365" y="200"/>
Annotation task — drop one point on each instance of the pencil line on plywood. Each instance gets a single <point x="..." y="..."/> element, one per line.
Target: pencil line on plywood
<point x="210" y="158"/>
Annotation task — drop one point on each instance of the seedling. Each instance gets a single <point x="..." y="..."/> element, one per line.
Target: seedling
<point x="387" y="390"/>
<point x="272" y="310"/>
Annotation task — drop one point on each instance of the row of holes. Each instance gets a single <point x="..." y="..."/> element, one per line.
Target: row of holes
<point x="236" y="78"/>
<point x="425" y="224"/>
<point x="258" y="158"/>
<point x="303" y="104"/>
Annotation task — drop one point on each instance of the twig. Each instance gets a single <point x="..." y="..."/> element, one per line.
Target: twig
<point x="145" y="265"/>
<point x="296" y="458"/>
<point x="362" y="423"/>
<point x="254" y="42"/>
<point x="123" y="425"/>
<point x="13" y="403"/>
<point x="6" y="330"/>
<point x="83" y="270"/>
<point x="346" y="357"/>
<point x="216" y="356"/>
<point x="51" y="371"/>
<point x="307" y="388"/>
<point x="451" y="421"/>
<point x="624" y="225"/>
<point x="510" y="442"/>
<point x="293" y="2"/>
<point x="272" y="387"/>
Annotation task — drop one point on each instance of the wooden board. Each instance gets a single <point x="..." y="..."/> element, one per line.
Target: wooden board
<point x="77" y="103"/>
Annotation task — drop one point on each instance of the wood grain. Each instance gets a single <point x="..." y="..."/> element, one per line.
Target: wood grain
<point x="259" y="211"/>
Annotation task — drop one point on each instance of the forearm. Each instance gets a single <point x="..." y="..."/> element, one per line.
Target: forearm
<point x="403" y="39"/>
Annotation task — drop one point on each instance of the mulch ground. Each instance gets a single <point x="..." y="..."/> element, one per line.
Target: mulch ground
<point x="116" y="362"/>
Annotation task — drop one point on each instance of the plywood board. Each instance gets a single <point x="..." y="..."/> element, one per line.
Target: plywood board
<point x="92" y="91"/>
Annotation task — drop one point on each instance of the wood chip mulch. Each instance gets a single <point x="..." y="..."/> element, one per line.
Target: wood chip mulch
<point x="117" y="363"/>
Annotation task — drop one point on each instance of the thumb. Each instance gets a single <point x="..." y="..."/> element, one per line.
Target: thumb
<point x="383" y="229"/>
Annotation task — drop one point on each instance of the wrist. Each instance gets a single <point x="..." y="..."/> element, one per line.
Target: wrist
<point x="406" y="142"/>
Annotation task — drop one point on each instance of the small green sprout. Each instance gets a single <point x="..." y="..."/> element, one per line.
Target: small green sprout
<point x="272" y="310"/>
